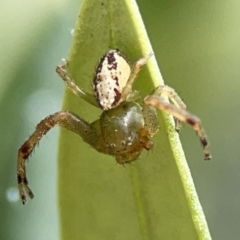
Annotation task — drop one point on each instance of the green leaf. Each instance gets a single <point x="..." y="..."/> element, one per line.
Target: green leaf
<point x="154" y="198"/>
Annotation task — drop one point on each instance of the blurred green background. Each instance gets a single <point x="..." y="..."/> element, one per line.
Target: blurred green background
<point x="197" y="47"/>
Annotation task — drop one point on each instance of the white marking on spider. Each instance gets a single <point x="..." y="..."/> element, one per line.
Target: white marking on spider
<point x="111" y="77"/>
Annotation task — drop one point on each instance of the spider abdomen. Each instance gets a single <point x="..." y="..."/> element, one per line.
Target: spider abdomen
<point x="111" y="77"/>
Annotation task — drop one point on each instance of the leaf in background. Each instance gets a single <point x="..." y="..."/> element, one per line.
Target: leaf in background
<point x="154" y="198"/>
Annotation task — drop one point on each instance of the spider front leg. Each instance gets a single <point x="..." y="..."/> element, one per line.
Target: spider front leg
<point x="135" y="70"/>
<point x="179" y="112"/>
<point x="64" y="119"/>
<point x="62" y="72"/>
<point x="174" y="98"/>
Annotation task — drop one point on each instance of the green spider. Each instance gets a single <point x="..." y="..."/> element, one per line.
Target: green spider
<point x="125" y="127"/>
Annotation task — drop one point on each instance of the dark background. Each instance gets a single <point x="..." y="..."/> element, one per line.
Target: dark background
<point x="197" y="47"/>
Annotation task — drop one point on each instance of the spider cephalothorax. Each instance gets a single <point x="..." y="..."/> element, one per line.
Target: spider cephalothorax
<point x="125" y="127"/>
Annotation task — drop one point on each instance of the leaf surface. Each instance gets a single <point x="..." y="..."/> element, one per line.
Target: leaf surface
<point x="154" y="198"/>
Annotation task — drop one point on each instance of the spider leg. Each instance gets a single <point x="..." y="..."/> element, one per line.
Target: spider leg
<point x="64" y="119"/>
<point x="181" y="114"/>
<point x="135" y="70"/>
<point x="174" y="98"/>
<point x="151" y="122"/>
<point x="62" y="72"/>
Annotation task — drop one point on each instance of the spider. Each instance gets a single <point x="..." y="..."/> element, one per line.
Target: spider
<point x="125" y="126"/>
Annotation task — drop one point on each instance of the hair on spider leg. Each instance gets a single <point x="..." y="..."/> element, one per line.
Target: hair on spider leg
<point x="122" y="165"/>
<point x="129" y="163"/>
<point x="91" y="85"/>
<point x="151" y="150"/>
<point x="147" y="152"/>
